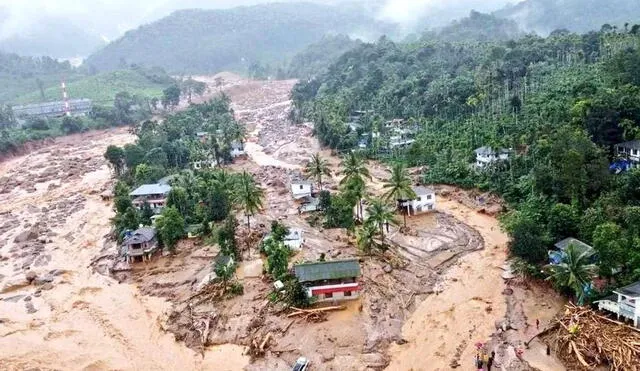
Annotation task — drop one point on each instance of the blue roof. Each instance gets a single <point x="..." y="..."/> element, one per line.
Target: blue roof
<point x="151" y="189"/>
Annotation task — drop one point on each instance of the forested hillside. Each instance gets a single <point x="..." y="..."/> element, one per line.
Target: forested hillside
<point x="555" y="104"/>
<point x="544" y="16"/>
<point x="207" y="41"/>
<point x="37" y="79"/>
<point x="315" y="59"/>
<point x="478" y="27"/>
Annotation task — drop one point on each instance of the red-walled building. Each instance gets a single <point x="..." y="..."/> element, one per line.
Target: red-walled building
<point x="331" y="280"/>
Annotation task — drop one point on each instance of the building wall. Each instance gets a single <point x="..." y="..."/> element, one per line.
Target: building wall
<point x="300" y="190"/>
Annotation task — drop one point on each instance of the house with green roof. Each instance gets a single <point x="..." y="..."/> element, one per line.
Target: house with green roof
<point x="330" y="280"/>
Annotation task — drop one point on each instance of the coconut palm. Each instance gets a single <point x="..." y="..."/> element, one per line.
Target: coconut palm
<point x="250" y="196"/>
<point x="355" y="171"/>
<point x="575" y="271"/>
<point x="354" y="167"/>
<point x="380" y="215"/>
<point x="399" y="186"/>
<point x="366" y="238"/>
<point x="316" y="168"/>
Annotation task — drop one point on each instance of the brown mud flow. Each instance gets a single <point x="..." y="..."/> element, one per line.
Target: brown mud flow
<point x="426" y="304"/>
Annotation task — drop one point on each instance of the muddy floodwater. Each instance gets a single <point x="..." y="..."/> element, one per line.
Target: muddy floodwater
<point x="58" y="310"/>
<point x="55" y="311"/>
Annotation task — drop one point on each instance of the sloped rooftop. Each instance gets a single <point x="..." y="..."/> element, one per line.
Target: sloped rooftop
<point x="329" y="270"/>
<point x="151" y="189"/>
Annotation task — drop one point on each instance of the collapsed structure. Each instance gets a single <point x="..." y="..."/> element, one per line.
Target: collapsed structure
<point x="141" y="243"/>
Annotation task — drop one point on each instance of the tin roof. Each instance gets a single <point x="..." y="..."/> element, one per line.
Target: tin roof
<point x="141" y="235"/>
<point x="562" y="245"/>
<point x="632" y="290"/>
<point x="151" y="189"/>
<point x="419" y="190"/>
<point x="634" y="144"/>
<point x="319" y="271"/>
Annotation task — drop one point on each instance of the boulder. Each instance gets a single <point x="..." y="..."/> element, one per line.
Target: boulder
<point x="30" y="234"/>
<point x="375" y="360"/>
<point x="30" y="276"/>
<point x="387" y="268"/>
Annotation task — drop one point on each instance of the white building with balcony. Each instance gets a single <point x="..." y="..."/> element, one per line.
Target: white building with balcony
<point x="625" y="302"/>
<point x="630" y="151"/>
<point x="425" y="201"/>
<point x="486" y="156"/>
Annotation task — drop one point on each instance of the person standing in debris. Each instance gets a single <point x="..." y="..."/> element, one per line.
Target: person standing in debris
<point x="490" y="360"/>
<point x="537" y="324"/>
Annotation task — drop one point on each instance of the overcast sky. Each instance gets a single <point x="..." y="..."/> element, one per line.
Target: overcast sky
<point x="111" y="18"/>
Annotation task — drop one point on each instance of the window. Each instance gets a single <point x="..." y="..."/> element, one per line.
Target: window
<point x="301" y="186"/>
<point x="419" y="199"/>
<point x="428" y="197"/>
<point x="328" y="295"/>
<point x="347" y="293"/>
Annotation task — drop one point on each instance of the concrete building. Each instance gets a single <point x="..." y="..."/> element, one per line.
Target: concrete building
<point x="331" y="280"/>
<point x="625" y="303"/>
<point x="153" y="194"/>
<point x="53" y="109"/>
<point x="141" y="243"/>
<point x="300" y="188"/>
<point x="486" y="156"/>
<point x="629" y="151"/>
<point x="425" y="201"/>
<point x="295" y="239"/>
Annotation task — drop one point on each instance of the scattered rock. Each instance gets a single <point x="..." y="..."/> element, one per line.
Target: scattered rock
<point x="28" y="298"/>
<point x="30" y="308"/>
<point x="30" y="276"/>
<point x="375" y="360"/>
<point x="27" y="235"/>
<point x="42" y="280"/>
<point x="508" y="291"/>
<point x="387" y="268"/>
<point x="329" y="356"/>
<point x="47" y="286"/>
<point x="401" y="341"/>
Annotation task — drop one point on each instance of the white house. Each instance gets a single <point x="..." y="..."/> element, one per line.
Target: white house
<point x="309" y="204"/>
<point x="237" y="149"/>
<point x="301" y="188"/>
<point x="204" y="164"/>
<point x="425" y="201"/>
<point x="487" y="155"/>
<point x="153" y="194"/>
<point x="625" y="302"/>
<point x="629" y="150"/>
<point x="294" y="239"/>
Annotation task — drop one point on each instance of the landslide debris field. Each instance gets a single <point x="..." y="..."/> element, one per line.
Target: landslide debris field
<point x="53" y="249"/>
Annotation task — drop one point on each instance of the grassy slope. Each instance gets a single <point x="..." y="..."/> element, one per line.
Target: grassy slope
<point x="101" y="88"/>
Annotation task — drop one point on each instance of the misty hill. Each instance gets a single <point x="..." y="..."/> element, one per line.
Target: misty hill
<point x="544" y="16"/>
<point x="317" y="57"/>
<point x="214" y="40"/>
<point x="51" y="36"/>
<point x="479" y="27"/>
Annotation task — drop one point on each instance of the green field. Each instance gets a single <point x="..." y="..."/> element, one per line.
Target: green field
<point x="101" y="88"/>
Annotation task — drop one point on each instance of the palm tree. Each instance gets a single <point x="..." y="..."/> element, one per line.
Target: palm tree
<point x="354" y="167"/>
<point x="355" y="170"/>
<point x="575" y="271"/>
<point x="250" y="196"/>
<point x="380" y="215"/>
<point x="316" y="168"/>
<point x="399" y="186"/>
<point x="366" y="238"/>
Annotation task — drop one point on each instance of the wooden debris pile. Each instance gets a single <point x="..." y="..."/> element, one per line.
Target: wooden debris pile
<point x="258" y="345"/>
<point x="314" y="315"/>
<point x="585" y="340"/>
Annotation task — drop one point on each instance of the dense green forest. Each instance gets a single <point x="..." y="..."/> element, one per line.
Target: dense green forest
<point x="477" y="27"/>
<point x="315" y="58"/>
<point x="544" y="16"/>
<point x="207" y="41"/>
<point x="558" y="104"/>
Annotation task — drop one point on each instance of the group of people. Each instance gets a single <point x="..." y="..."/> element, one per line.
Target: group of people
<point x="484" y="359"/>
